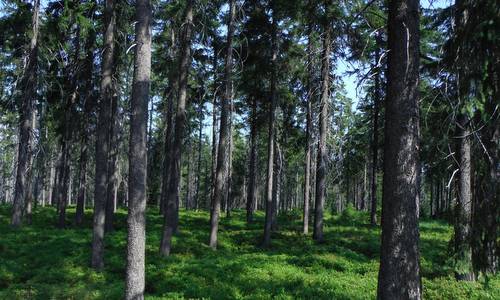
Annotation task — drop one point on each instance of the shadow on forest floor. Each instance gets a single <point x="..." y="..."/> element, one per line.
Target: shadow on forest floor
<point x="41" y="262"/>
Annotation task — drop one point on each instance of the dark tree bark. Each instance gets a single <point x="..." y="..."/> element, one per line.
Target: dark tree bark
<point x="198" y="165"/>
<point x="172" y="210"/>
<point x="102" y="137"/>
<point x="29" y="191"/>
<point x="310" y="97"/>
<point x="88" y="107"/>
<point x="463" y="209"/>
<point x="251" y="199"/>
<point x="73" y="74"/>
<point x="376" y="103"/>
<point x="399" y="274"/>
<point x="224" y="134"/>
<point x="112" y="172"/>
<point x="214" y="121"/>
<point x="323" y="132"/>
<point x="488" y="208"/>
<point x="270" y="142"/>
<point x="277" y="173"/>
<point x="27" y="91"/>
<point x="136" y="220"/>
<point x="229" y="178"/>
<point x="167" y="159"/>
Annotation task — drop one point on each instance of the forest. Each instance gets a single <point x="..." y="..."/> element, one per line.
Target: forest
<point x="249" y="149"/>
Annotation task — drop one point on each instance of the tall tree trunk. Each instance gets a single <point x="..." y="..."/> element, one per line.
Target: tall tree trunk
<point x="73" y="75"/>
<point x="27" y="87"/>
<point x="399" y="274"/>
<point x="198" y="165"/>
<point x="270" y="142"/>
<point x="88" y="107"/>
<point x="112" y="172"/>
<point x="463" y="209"/>
<point x="172" y="210"/>
<point x="29" y="191"/>
<point x="229" y="178"/>
<point x="376" y="104"/>
<point x="214" y="121"/>
<point x="277" y="173"/>
<point x="251" y="204"/>
<point x="167" y="159"/>
<point x="323" y="132"/>
<point x="136" y="219"/>
<point x="225" y="131"/>
<point x="310" y="97"/>
<point x="102" y="137"/>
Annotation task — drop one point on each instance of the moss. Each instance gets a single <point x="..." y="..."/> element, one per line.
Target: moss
<point x="42" y="262"/>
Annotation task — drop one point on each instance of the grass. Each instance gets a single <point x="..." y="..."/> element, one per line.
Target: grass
<point x="42" y="262"/>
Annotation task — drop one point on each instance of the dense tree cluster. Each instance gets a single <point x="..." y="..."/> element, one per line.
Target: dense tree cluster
<point x="227" y="105"/>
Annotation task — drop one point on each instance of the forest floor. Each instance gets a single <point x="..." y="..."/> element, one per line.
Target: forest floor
<point x="42" y="262"/>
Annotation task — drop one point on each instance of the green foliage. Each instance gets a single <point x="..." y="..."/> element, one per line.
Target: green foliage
<point x="41" y="262"/>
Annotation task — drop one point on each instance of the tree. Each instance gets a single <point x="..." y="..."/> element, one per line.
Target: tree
<point x="102" y="136"/>
<point x="171" y="215"/>
<point x="88" y="104"/>
<point x="225" y="131"/>
<point x="27" y="87"/>
<point x="376" y="108"/>
<point x="399" y="274"/>
<point x="270" y="146"/>
<point x="310" y="97"/>
<point x="136" y="220"/>
<point x="323" y="131"/>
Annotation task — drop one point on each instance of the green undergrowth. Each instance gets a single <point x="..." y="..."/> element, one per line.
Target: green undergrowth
<point x="42" y="262"/>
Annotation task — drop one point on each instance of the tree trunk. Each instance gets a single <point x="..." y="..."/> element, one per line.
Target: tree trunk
<point x="27" y="87"/>
<point x="102" y="137"/>
<point x="198" y="165"/>
<point x="376" y="104"/>
<point x="323" y="132"/>
<point x="399" y="274"/>
<point x="73" y="74"/>
<point x="225" y="132"/>
<point x="278" y="170"/>
<point x="112" y="172"/>
<point x="29" y="191"/>
<point x="251" y="199"/>
<point x="172" y="210"/>
<point x="167" y="159"/>
<point x="214" y="122"/>
<point x="270" y="142"/>
<point x="136" y="219"/>
<point x="463" y="209"/>
<point x="88" y="107"/>
<point x="310" y="97"/>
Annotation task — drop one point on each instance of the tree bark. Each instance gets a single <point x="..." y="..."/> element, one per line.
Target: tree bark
<point x="224" y="133"/>
<point x="270" y="142"/>
<point x="323" y="132"/>
<point x="88" y="107"/>
<point x="112" y="172"/>
<point x="136" y="219"/>
<point x="102" y="137"/>
<point x="167" y="159"/>
<point x="376" y="104"/>
<point x="251" y="199"/>
<point x="399" y="274"/>
<point x="310" y="97"/>
<point x="27" y="88"/>
<point x="198" y="165"/>
<point x="463" y="209"/>
<point x="73" y="75"/>
<point x="172" y="210"/>
<point x="214" y="122"/>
